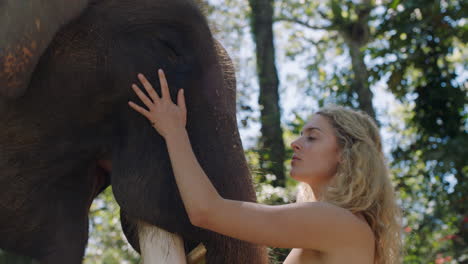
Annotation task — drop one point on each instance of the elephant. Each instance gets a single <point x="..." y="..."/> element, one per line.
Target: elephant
<point x="67" y="133"/>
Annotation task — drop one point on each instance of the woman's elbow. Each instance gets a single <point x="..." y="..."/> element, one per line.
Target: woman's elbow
<point x="202" y="216"/>
<point x="199" y="217"/>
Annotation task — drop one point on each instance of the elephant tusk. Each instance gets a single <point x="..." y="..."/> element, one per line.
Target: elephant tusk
<point x="160" y="246"/>
<point x="197" y="255"/>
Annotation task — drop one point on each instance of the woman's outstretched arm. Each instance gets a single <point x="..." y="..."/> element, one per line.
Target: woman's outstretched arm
<point x="318" y="226"/>
<point x="198" y="193"/>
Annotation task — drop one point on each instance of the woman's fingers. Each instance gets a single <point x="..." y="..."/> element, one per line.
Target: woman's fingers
<point x="164" y="86"/>
<point x="153" y="94"/>
<point x="139" y="109"/>
<point x="148" y="87"/>
<point x="142" y="96"/>
<point x="181" y="100"/>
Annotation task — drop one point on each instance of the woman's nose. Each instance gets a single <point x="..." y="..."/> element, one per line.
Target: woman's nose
<point x="294" y="144"/>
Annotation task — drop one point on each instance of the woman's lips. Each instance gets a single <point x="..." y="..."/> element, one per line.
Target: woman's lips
<point x="295" y="158"/>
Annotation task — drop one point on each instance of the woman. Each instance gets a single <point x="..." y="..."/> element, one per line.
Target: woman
<point x="346" y="211"/>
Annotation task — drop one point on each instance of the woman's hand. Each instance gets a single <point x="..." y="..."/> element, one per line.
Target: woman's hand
<point x="165" y="116"/>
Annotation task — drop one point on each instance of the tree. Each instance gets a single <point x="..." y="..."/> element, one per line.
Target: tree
<point x="272" y="150"/>
<point x="422" y="38"/>
<point x="414" y="43"/>
<point x="346" y="24"/>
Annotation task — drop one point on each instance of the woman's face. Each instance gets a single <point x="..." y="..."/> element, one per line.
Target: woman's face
<point x="316" y="152"/>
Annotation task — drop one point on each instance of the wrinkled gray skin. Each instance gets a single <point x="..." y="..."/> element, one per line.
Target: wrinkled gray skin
<point x="65" y="73"/>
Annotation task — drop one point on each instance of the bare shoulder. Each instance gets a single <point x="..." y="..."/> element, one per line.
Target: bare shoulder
<point x="343" y="227"/>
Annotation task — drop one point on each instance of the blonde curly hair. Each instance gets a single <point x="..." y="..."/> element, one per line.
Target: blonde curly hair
<point x="362" y="183"/>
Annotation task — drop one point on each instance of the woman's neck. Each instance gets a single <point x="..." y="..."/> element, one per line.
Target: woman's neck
<point x="318" y="192"/>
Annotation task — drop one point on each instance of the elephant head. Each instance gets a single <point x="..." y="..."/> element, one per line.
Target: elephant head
<point x="64" y="114"/>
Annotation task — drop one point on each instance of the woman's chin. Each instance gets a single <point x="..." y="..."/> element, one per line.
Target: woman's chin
<point x="292" y="174"/>
<point x="295" y="175"/>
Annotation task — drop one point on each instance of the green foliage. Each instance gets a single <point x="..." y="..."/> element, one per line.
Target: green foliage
<point x="107" y="243"/>
<point x="318" y="33"/>
<point x="420" y="47"/>
<point x="9" y="258"/>
<point x="269" y="194"/>
<point x="422" y="37"/>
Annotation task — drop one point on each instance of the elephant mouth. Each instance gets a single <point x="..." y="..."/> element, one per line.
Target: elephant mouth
<point x="106" y="165"/>
<point x="155" y="242"/>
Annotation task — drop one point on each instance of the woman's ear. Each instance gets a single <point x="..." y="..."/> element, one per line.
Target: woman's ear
<point x="340" y="156"/>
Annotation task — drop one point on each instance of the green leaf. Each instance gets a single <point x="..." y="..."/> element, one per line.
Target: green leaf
<point x="394" y="4"/>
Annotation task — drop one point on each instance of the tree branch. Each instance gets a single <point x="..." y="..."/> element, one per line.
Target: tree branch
<point x="302" y="23"/>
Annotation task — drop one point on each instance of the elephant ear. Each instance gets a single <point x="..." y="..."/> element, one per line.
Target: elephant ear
<point x="26" y="29"/>
<point x="229" y="76"/>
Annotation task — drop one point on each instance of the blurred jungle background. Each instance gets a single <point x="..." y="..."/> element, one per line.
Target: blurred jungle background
<point x="402" y="62"/>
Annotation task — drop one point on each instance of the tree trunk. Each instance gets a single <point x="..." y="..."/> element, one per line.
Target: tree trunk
<point x="356" y="36"/>
<point x="361" y="75"/>
<point x="272" y="150"/>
